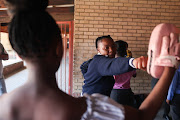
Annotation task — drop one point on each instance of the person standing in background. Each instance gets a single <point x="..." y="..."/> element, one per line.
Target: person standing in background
<point x="98" y="72"/>
<point x="3" y="56"/>
<point x="122" y="92"/>
<point x="173" y="97"/>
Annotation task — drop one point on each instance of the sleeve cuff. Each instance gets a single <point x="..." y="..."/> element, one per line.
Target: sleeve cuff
<point x="131" y="63"/>
<point x="168" y="98"/>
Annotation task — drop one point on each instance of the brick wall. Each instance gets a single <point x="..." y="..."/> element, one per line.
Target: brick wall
<point x="128" y="20"/>
<point x="4" y="19"/>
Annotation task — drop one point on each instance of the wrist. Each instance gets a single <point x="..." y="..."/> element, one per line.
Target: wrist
<point x="131" y="62"/>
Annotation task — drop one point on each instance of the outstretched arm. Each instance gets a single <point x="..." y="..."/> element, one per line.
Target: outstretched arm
<point x="152" y="103"/>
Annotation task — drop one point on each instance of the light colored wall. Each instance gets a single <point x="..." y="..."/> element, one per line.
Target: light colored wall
<point x="128" y="20"/>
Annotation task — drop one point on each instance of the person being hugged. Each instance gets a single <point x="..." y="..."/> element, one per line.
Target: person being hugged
<point x="98" y="72"/>
<point x="122" y="92"/>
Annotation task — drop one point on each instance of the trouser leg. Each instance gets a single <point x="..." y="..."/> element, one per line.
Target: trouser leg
<point x="175" y="107"/>
<point x="123" y="96"/>
<point x="166" y="108"/>
<point x="2" y="86"/>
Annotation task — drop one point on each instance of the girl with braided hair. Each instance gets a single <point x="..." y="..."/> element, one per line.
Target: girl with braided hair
<point x="35" y="36"/>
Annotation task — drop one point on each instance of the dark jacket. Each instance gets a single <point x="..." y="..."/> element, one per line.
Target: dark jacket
<point x="98" y="73"/>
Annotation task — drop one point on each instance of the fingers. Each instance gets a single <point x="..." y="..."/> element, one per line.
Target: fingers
<point x="173" y="38"/>
<point x="167" y="101"/>
<point x="165" y="46"/>
<point x="144" y="62"/>
<point x="140" y="63"/>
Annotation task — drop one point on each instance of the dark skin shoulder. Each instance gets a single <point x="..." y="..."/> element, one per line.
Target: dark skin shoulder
<point x="79" y="107"/>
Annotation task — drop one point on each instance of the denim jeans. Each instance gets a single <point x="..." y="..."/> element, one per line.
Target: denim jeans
<point x="2" y="86"/>
<point x="175" y="107"/>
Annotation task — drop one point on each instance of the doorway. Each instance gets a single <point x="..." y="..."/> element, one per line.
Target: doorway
<point x="64" y="74"/>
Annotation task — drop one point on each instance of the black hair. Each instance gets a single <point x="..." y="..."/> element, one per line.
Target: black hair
<point x="126" y="45"/>
<point x="31" y="33"/>
<point x="36" y="5"/>
<point x="121" y="48"/>
<point x="101" y="38"/>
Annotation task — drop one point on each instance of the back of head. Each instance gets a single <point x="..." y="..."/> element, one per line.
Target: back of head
<point x="16" y="5"/>
<point x="32" y="30"/>
<point x="121" y="48"/>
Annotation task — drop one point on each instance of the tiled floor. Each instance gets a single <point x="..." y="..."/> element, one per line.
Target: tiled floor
<point x="20" y="78"/>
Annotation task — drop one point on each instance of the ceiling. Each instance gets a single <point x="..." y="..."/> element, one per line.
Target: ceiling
<point x="61" y="10"/>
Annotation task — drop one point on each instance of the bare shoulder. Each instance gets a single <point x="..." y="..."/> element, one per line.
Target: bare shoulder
<point x="43" y="106"/>
<point x="77" y="107"/>
<point x="65" y="107"/>
<point x="6" y="110"/>
<point x="10" y="104"/>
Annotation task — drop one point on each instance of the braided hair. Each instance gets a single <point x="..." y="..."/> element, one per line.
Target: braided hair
<point x="32" y="30"/>
<point x="16" y="5"/>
